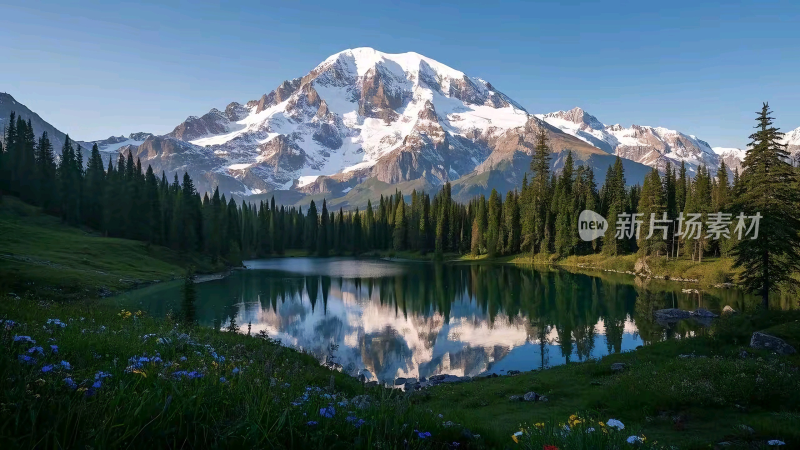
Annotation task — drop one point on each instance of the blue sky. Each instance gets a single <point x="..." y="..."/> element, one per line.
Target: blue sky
<point x="93" y="69"/>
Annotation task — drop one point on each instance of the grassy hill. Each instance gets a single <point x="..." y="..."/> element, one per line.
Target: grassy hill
<point x="39" y="253"/>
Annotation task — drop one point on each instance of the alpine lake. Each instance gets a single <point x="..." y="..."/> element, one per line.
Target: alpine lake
<point x="388" y="319"/>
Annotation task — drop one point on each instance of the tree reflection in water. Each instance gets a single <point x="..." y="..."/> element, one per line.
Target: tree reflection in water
<point x="421" y="319"/>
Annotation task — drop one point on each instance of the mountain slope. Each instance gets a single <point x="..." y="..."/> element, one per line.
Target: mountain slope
<point x="9" y="104"/>
<point x="652" y="146"/>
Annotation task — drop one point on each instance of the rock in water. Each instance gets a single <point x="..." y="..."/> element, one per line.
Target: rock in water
<point x="672" y="314"/>
<point x="728" y="310"/>
<point x="763" y="341"/>
<point x="702" y="312"/>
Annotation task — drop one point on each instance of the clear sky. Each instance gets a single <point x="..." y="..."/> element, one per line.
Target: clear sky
<point x="94" y="69"/>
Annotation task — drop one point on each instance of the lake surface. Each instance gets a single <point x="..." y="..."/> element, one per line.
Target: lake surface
<point x="416" y="319"/>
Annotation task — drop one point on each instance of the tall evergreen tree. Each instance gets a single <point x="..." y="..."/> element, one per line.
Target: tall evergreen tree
<point x="770" y="189"/>
<point x="322" y="234"/>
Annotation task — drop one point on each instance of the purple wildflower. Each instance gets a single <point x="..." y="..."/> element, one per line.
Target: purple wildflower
<point x="423" y="434"/>
<point x="97" y="384"/>
<point x="70" y="384"/>
<point x="27" y="359"/>
<point x="65" y="365"/>
<point x="47" y="368"/>
<point x="312" y="423"/>
<point x="327" y="412"/>
<point x="183" y="358"/>
<point x="100" y="375"/>
<point x="54" y="349"/>
<point x="235" y="370"/>
<point x="24" y="339"/>
<point x="222" y="380"/>
<point x="38" y="350"/>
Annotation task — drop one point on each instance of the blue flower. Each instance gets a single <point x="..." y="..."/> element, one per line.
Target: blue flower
<point x="24" y="339"/>
<point x="27" y="359"/>
<point x="423" y="434"/>
<point x="235" y="370"/>
<point x="100" y="375"/>
<point x="65" y="365"/>
<point x="56" y="322"/>
<point x="222" y="380"/>
<point x="54" y="348"/>
<point x="327" y="412"/>
<point x="70" y="384"/>
<point x="97" y="384"/>
<point x="312" y="423"/>
<point x="38" y="350"/>
<point x="47" y="368"/>
<point x="355" y="421"/>
<point x="8" y="323"/>
<point x="183" y="358"/>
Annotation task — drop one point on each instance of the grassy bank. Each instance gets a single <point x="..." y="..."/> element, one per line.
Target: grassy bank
<point x="38" y="253"/>
<point x="690" y="402"/>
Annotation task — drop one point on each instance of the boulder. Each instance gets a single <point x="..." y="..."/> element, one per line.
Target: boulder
<point x="641" y="266"/>
<point x="515" y="398"/>
<point x="672" y="314"/>
<point x="763" y="341"/>
<point x="530" y="396"/>
<point x="728" y="310"/>
<point x="702" y="312"/>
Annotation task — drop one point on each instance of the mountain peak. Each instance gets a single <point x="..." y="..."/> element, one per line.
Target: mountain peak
<point x="365" y="58"/>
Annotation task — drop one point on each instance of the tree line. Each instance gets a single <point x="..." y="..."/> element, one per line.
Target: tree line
<point x="123" y="200"/>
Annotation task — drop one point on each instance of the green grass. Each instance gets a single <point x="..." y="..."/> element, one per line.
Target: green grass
<point x="656" y="386"/>
<point x="39" y="253"/>
<point x="148" y="406"/>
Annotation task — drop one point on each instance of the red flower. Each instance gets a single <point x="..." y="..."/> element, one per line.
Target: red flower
<point x="549" y="447"/>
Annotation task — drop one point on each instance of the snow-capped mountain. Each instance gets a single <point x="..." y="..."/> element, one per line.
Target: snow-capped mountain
<point x="652" y="146"/>
<point x="359" y="114"/>
<point x="115" y="144"/>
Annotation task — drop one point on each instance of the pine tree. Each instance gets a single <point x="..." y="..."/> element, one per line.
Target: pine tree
<point x="46" y="174"/>
<point x="94" y="190"/>
<point x="540" y="192"/>
<point x="312" y="225"/>
<point x="322" y="233"/>
<point x="769" y="188"/>
<point x="188" y="308"/>
<point x="399" y="234"/>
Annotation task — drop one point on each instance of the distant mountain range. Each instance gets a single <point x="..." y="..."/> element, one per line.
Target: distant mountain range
<point x="364" y="122"/>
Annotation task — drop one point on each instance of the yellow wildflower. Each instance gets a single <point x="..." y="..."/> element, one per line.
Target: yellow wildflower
<point x="539" y="425"/>
<point x="81" y="389"/>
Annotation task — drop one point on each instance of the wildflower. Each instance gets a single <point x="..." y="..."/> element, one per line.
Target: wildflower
<point x="139" y="372"/>
<point x="235" y="370"/>
<point x="82" y="389"/>
<point x="56" y="322"/>
<point x="54" y="349"/>
<point x="183" y="358"/>
<point x="634" y="440"/>
<point x="355" y="421"/>
<point x="539" y="425"/>
<point x="423" y="434"/>
<point x="47" y="368"/>
<point x="516" y="436"/>
<point x="97" y="384"/>
<point x="549" y="447"/>
<point x="327" y="412"/>
<point x="65" y="365"/>
<point x="41" y="382"/>
<point x="100" y="375"/>
<point x="775" y="442"/>
<point x="27" y="359"/>
<point x="590" y="430"/>
<point x="124" y="314"/>
<point x="311" y="423"/>
<point x="8" y="323"/>
<point x="222" y="380"/>
<point x="614" y="423"/>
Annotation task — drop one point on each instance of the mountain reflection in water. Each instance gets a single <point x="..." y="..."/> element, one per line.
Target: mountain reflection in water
<point x="408" y="319"/>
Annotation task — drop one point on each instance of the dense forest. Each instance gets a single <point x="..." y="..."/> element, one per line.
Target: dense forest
<point x="125" y="200"/>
